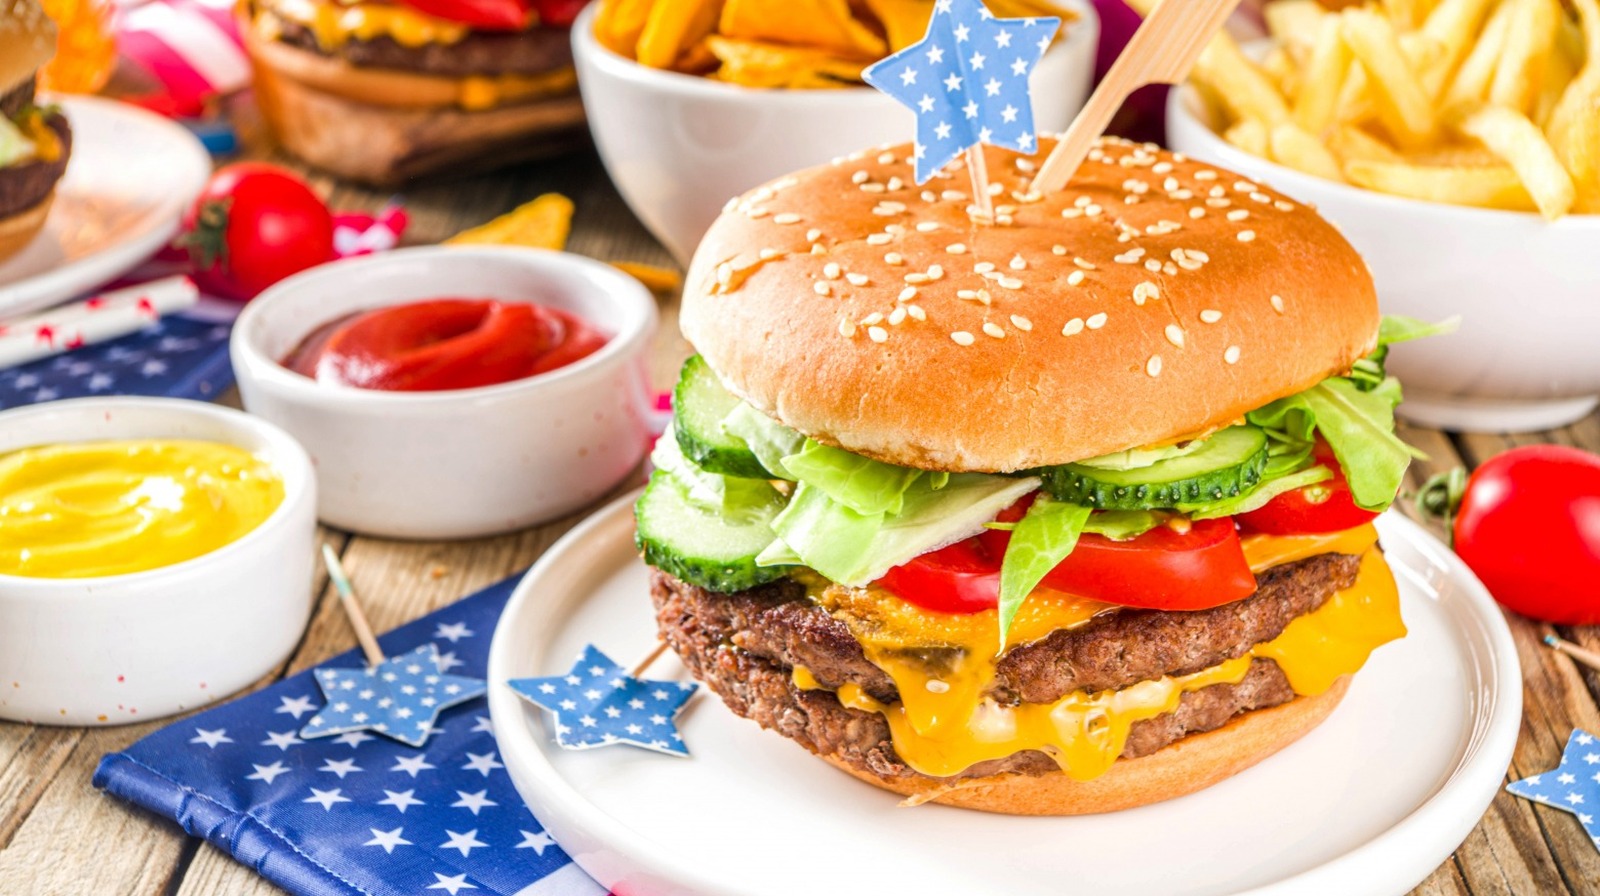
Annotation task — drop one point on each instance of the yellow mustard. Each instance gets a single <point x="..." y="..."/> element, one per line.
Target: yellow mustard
<point x="108" y="508"/>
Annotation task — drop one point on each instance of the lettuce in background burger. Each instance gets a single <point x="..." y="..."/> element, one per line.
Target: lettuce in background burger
<point x="35" y="141"/>
<point x="1060" y="513"/>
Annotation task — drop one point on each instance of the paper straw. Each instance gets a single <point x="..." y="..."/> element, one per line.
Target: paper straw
<point x="93" y="320"/>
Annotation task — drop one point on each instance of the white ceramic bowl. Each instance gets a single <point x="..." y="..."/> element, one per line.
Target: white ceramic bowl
<point x="679" y="146"/>
<point x="1527" y="290"/>
<point x="112" y="650"/>
<point x="468" y="462"/>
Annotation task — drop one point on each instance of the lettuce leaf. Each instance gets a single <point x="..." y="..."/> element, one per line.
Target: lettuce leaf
<point x="864" y="485"/>
<point x="1041" y="539"/>
<point x="1358" y="424"/>
<point x="732" y="496"/>
<point x="1258" y="497"/>
<point x="1399" y="328"/>
<point x="14" y="145"/>
<point x="769" y="440"/>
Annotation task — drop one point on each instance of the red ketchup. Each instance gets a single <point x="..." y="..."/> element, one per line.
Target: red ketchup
<point x="442" y="344"/>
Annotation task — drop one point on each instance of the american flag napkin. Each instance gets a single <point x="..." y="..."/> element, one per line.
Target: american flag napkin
<point x="356" y="814"/>
<point x="179" y="356"/>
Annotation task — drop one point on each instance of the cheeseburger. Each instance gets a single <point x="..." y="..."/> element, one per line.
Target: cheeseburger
<point x="1059" y="511"/>
<point x="385" y="90"/>
<point x="34" y="140"/>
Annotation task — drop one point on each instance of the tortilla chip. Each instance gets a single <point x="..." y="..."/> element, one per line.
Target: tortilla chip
<point x="619" y="23"/>
<point x="659" y="280"/>
<point x="757" y="64"/>
<point x="904" y="21"/>
<point x="825" y="25"/>
<point x="542" y="223"/>
<point x="673" y="27"/>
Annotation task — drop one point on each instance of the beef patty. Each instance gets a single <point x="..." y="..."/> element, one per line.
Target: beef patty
<point x="26" y="185"/>
<point x="531" y="52"/>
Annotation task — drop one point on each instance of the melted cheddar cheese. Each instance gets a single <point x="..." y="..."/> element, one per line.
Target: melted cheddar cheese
<point x="333" y="24"/>
<point x="943" y="665"/>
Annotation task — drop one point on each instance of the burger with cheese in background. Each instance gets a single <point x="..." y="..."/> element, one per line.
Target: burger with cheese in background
<point x="1060" y="512"/>
<point x="382" y="91"/>
<point x="35" y="141"/>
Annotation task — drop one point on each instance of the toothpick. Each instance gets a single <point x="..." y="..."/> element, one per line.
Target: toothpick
<point x="352" y="607"/>
<point x="638" y="671"/>
<point x="980" y="182"/>
<point x="1582" y="655"/>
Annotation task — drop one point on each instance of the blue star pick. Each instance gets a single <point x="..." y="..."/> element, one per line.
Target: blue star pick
<point x="967" y="81"/>
<point x="1574" y="786"/>
<point x="597" y="703"/>
<point x="399" y="698"/>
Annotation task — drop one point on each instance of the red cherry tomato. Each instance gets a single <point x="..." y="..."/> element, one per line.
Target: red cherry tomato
<point x="1529" y="526"/>
<point x="1324" y="507"/>
<point x="253" y="225"/>
<point x="486" y="15"/>
<point x="1162" y="569"/>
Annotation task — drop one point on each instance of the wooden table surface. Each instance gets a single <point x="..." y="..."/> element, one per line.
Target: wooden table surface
<point x="58" y="835"/>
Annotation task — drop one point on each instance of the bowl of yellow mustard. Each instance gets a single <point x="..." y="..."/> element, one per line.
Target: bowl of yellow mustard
<point x="155" y="555"/>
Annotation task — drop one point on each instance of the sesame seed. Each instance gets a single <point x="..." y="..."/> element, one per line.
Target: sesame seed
<point x="1169" y="268"/>
<point x="1072" y="213"/>
<point x="759" y="211"/>
<point x="995" y="189"/>
<point x="856" y="279"/>
<point x="956" y="248"/>
<point x="1021" y="323"/>
<point x="1018" y="264"/>
<point x="1282" y="206"/>
<point x="1238" y="214"/>
<point x="935" y="272"/>
<point x="786" y="218"/>
<point x="1129" y="257"/>
<point x="1084" y="264"/>
<point x="888" y="208"/>
<point x="1218" y="203"/>
<point x="730" y="205"/>
<point x="1246" y="236"/>
<point x="1024" y="165"/>
<point x="1153" y="265"/>
<point x="968" y="294"/>
<point x="847" y="327"/>
<point x="1175" y="335"/>
<point x="820" y="287"/>
<point x="878" y="239"/>
<point x="896" y="183"/>
<point x="916" y="277"/>
<point x="1260" y="197"/>
<point x="1010" y="283"/>
<point x="894" y="229"/>
<point x="1073" y="327"/>
<point x="885" y="158"/>
<point x="1145" y="291"/>
<point x="927" y="226"/>
<point x="724" y="273"/>
<point x="813" y="235"/>
<point x="831" y="271"/>
<point x="875" y="317"/>
<point x="818" y="249"/>
<point x="1092" y="211"/>
<point x="1058" y="250"/>
<point x="991" y="328"/>
<point x="962" y="337"/>
<point x="1171" y="184"/>
<point x="1075" y="278"/>
<point x="1197" y="212"/>
<point x="877" y="334"/>
<point x="1096" y="321"/>
<point x="1216" y="192"/>
<point x="929" y="196"/>
<point x="1205" y="174"/>
<point x="1082" y="201"/>
<point x="897" y="316"/>
<point x="860" y="177"/>
<point x="872" y="188"/>
<point x="768" y="254"/>
<point x="916" y="312"/>
<point x="907" y="294"/>
<point x="953" y="196"/>
<point x="1277" y="304"/>
<point x="1210" y="316"/>
<point x="1153" y="366"/>
<point x="1231" y="355"/>
<point x="1244" y="186"/>
<point x="893" y="258"/>
<point x="1161" y="168"/>
<point x="983" y="267"/>
<point x="1197" y="255"/>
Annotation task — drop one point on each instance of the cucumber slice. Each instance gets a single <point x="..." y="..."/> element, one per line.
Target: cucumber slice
<point x="1226" y="465"/>
<point x="700" y="404"/>
<point x="715" y="550"/>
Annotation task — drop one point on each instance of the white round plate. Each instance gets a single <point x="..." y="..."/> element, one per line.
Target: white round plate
<point x="131" y="177"/>
<point x="1368" y="803"/>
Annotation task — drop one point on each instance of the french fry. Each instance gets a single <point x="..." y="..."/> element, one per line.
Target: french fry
<point x="1558" y="72"/>
<point x="815" y="24"/>
<point x="1574" y="125"/>
<point x="1491" y="187"/>
<point x="1510" y="135"/>
<point x="1531" y="37"/>
<point x="1454" y="24"/>
<point x="1295" y="24"/>
<point x="1373" y="41"/>
<point x="674" y="26"/>
<point x="618" y="24"/>
<point x="1250" y="135"/>
<point x="1280" y="66"/>
<point x="1317" y="102"/>
<point x="1244" y="89"/>
<point x="1472" y="79"/>
<point x="1406" y="14"/>
<point x="1349" y="142"/>
<point x="1299" y="150"/>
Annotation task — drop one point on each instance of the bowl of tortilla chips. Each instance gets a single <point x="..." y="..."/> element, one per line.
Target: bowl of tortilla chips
<point x="692" y="102"/>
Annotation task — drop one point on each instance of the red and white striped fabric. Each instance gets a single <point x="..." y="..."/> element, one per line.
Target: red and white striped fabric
<point x="191" y="46"/>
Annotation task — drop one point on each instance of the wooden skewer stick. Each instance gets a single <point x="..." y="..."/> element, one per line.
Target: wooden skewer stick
<point x="1582" y="655"/>
<point x="980" y="182"/>
<point x="638" y="671"/>
<point x="352" y="607"/>
<point x="1161" y="52"/>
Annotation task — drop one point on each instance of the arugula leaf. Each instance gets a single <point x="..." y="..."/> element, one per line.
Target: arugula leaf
<point x="1357" y="424"/>
<point x="1042" y="539"/>
<point x="864" y="485"/>
<point x="1399" y="328"/>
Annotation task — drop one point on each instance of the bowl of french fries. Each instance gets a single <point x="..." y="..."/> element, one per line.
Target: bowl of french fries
<point x="1457" y="145"/>
<point x="692" y="102"/>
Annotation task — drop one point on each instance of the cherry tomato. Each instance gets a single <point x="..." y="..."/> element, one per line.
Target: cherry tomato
<point x="1324" y="507"/>
<point x="1163" y="569"/>
<point x="253" y="225"/>
<point x="486" y="15"/>
<point x="1529" y="526"/>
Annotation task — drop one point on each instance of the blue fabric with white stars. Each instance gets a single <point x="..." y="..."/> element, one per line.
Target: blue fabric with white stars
<point x="1573" y="786"/>
<point x="967" y="81"/>
<point x="597" y="704"/>
<point x="177" y="357"/>
<point x="399" y="698"/>
<point x="356" y="813"/>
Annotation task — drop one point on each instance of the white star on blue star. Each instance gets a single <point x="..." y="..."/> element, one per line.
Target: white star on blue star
<point x="1574" y="786"/>
<point x="598" y="703"/>
<point x="968" y="111"/>
<point x="399" y="698"/>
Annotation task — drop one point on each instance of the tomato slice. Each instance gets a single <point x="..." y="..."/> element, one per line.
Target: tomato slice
<point x="1163" y="569"/>
<point x="486" y="15"/>
<point x="1325" y="507"/>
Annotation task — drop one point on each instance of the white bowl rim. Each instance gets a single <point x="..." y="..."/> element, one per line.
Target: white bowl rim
<point x="289" y="460"/>
<point x="585" y="43"/>
<point x="261" y="367"/>
<point x="1285" y="178"/>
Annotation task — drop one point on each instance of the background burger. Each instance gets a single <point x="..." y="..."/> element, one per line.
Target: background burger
<point x="1061" y="513"/>
<point x="35" y="141"/>
<point x="381" y="91"/>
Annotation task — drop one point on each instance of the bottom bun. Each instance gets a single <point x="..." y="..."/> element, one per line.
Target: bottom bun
<point x="1191" y="764"/>
<point x="386" y="145"/>
<point x="17" y="231"/>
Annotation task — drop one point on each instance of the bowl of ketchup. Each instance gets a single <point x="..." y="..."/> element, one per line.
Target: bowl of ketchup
<point x="453" y="392"/>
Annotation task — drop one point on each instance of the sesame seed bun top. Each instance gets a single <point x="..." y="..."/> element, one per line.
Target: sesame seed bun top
<point x="1153" y="298"/>
<point x="27" y="41"/>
